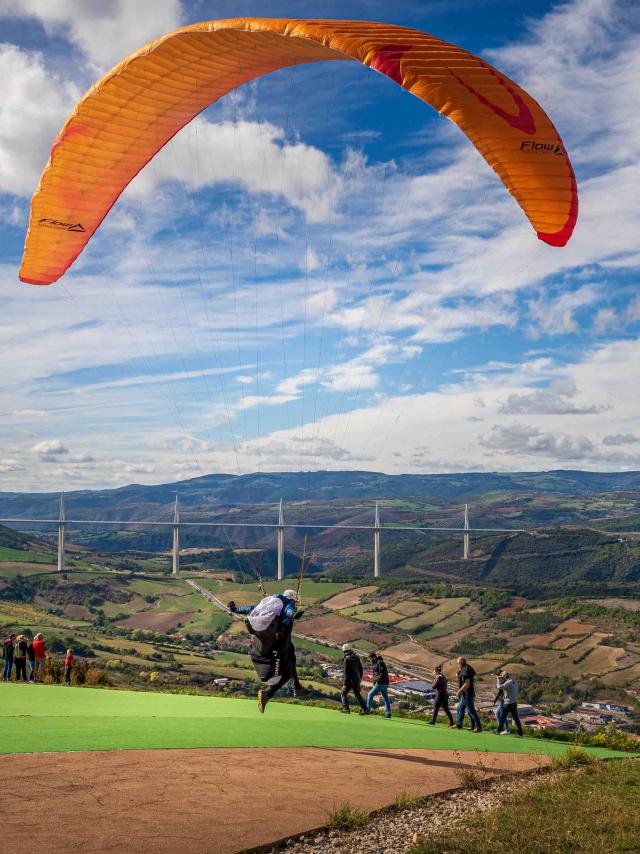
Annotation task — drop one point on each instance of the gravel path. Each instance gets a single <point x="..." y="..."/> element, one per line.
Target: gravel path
<point x="396" y="831"/>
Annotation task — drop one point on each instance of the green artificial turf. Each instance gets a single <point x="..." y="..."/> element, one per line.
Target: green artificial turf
<point x="47" y="718"/>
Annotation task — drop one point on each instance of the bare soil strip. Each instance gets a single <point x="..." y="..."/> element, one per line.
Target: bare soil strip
<point x="222" y="801"/>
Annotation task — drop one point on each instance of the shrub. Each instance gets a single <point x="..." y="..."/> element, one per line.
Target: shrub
<point x="573" y="757"/>
<point x="347" y="817"/>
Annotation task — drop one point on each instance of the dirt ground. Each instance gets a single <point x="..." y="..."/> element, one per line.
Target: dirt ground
<point x="214" y="801"/>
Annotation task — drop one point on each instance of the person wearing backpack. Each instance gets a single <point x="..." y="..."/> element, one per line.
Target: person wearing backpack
<point x="270" y="624"/>
<point x="440" y="686"/>
<point x="21" y="658"/>
<point x="351" y="680"/>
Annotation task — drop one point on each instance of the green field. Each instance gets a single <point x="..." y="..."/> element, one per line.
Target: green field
<point x="43" y="718"/>
<point x="8" y="554"/>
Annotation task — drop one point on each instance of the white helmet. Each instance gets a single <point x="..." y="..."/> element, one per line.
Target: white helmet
<point x="291" y="594"/>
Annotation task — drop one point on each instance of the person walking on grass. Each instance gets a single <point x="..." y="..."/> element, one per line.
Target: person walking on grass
<point x="498" y="700"/>
<point x="21" y="658"/>
<point x="380" y="682"/>
<point x="510" y="690"/>
<point x="466" y="695"/>
<point x="440" y="685"/>
<point x="351" y="680"/>
<point x="8" y="649"/>
<point x="68" y="667"/>
<point x="39" y="655"/>
<point x="32" y="660"/>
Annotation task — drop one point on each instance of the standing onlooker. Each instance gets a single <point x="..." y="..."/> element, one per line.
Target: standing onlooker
<point x="32" y="660"/>
<point x="498" y="700"/>
<point x="68" y="667"/>
<point x="39" y="654"/>
<point x="352" y="677"/>
<point x="511" y="690"/>
<point x="466" y="695"/>
<point x="440" y="686"/>
<point x="380" y="682"/>
<point x="21" y="658"/>
<point x="8" y="649"/>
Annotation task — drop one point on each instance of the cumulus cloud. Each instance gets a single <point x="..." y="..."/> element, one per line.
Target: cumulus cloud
<point x="558" y="399"/>
<point x="530" y="441"/>
<point x="621" y="439"/>
<point x="35" y="105"/>
<point x="50" y="450"/>
<point x="556" y="315"/>
<point x="105" y="31"/>
<point x="253" y="155"/>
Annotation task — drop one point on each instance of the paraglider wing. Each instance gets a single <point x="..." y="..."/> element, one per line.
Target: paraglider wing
<point x="129" y="115"/>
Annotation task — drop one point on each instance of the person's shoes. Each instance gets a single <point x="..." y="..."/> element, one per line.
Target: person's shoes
<point x="504" y="732"/>
<point x="301" y="693"/>
<point x="345" y="712"/>
<point x="364" y="712"/>
<point x="476" y="729"/>
<point x="431" y="723"/>
<point x="262" y="700"/>
<point x="387" y="717"/>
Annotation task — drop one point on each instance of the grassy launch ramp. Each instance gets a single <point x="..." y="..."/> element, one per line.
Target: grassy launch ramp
<point x="42" y="718"/>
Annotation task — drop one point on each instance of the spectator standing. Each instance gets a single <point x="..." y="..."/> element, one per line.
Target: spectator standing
<point x="498" y="700"/>
<point x="440" y="686"/>
<point x="352" y="678"/>
<point x="39" y="655"/>
<point x="511" y="691"/>
<point x="8" y="648"/>
<point x="466" y="695"/>
<point x="68" y="667"/>
<point x="21" y="658"/>
<point x="380" y="682"/>
<point x="32" y="660"/>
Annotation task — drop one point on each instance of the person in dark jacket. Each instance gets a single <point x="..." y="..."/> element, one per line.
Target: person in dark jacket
<point x="270" y="624"/>
<point x="466" y="695"/>
<point x="21" y="658"/>
<point x="8" y="648"/>
<point x="352" y="677"/>
<point x="380" y="682"/>
<point x="440" y="685"/>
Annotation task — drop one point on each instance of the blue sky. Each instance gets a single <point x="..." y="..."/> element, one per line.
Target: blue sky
<point x="320" y="272"/>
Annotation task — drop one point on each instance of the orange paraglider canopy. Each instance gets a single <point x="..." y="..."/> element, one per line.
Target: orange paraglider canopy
<point x="129" y="115"/>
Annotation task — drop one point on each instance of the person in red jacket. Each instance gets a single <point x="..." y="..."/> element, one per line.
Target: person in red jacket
<point x="68" y="667"/>
<point x="40" y="653"/>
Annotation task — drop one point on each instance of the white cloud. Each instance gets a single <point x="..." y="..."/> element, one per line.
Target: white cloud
<point x="556" y="315"/>
<point x="10" y="465"/>
<point x="253" y="155"/>
<point x="105" y="31"/>
<point x="50" y="449"/>
<point x="34" y="107"/>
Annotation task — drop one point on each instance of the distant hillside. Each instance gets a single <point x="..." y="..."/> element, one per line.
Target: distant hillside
<point x="557" y="561"/>
<point x="215" y="490"/>
<point x="10" y="539"/>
